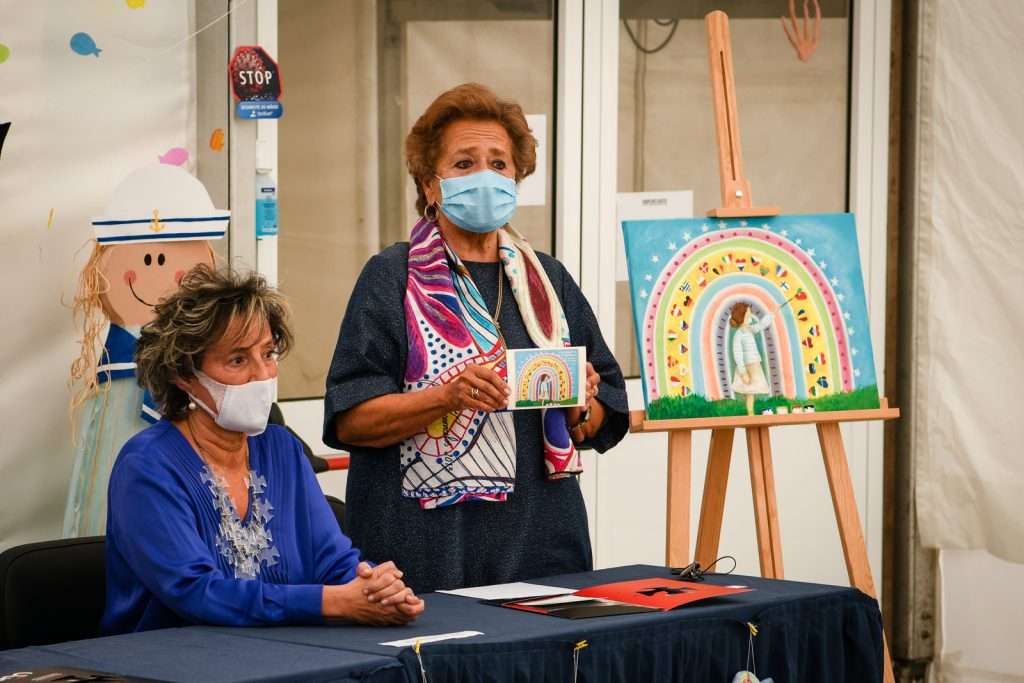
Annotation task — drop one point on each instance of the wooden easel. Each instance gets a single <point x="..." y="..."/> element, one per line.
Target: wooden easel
<point x="736" y="200"/>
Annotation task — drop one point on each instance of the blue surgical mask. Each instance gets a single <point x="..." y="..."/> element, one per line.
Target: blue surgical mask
<point x="479" y="202"/>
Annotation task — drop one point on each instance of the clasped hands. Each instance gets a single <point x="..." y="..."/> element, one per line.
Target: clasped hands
<point x="376" y="596"/>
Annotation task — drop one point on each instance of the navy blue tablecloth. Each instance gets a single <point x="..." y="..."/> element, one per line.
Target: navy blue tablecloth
<point x="195" y="653"/>
<point x="806" y="632"/>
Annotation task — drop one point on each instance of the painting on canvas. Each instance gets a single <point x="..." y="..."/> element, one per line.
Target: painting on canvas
<point x="751" y="316"/>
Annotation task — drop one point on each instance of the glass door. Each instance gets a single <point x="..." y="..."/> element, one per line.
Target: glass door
<point x="359" y="73"/>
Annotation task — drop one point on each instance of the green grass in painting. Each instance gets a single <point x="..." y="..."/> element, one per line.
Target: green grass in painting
<point x="544" y="404"/>
<point x="676" y="407"/>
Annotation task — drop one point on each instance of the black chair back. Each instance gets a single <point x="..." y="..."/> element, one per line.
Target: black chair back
<point x="338" y="507"/>
<point x="52" y="592"/>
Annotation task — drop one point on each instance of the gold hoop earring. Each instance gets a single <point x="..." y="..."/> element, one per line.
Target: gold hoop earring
<point x="431" y="216"/>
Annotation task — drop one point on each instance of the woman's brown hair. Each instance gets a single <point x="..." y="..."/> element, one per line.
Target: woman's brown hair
<point x="467" y="101"/>
<point x="192" y="320"/>
<point x="738" y="313"/>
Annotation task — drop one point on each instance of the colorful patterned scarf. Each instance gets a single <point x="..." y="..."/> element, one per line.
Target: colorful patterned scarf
<point x="471" y="455"/>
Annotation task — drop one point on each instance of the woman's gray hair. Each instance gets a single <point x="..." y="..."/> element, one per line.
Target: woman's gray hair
<point x="194" y="318"/>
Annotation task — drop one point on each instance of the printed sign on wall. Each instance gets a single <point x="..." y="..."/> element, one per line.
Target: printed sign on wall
<point x="255" y="83"/>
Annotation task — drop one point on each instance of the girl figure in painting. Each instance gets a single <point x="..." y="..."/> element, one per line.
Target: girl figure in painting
<point x="749" y="379"/>
<point x="544" y="389"/>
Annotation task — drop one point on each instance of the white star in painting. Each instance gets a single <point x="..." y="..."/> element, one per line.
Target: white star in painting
<point x="784" y="233"/>
<point x="840" y="296"/>
<point x="643" y="293"/>
<point x="823" y="265"/>
<point x="834" y="282"/>
<point x="672" y="246"/>
<point x="655" y="259"/>
<point x="686" y="236"/>
<point x="846" y="315"/>
<point x="766" y="226"/>
<point x="850" y="331"/>
<point x="743" y="224"/>
<point x="853" y="352"/>
<point x="799" y="241"/>
<point x="810" y="252"/>
<point x="722" y="225"/>
<point x="704" y="228"/>
<point x="856" y="372"/>
<point x="649" y="277"/>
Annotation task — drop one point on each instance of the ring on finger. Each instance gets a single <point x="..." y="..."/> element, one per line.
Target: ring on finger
<point x="474" y="393"/>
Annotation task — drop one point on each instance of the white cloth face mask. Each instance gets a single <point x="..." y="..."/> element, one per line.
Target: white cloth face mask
<point x="240" y="407"/>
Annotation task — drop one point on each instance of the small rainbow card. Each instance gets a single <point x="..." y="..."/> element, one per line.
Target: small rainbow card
<point x="546" y="378"/>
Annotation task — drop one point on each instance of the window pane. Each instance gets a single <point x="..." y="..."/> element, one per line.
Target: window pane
<point x="358" y="75"/>
<point x="793" y="115"/>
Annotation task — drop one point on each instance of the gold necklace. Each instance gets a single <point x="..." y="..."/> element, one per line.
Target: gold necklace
<point x="497" y="309"/>
<point x="445" y="427"/>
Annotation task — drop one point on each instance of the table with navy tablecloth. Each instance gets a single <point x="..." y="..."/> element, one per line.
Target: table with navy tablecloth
<point x="805" y="632"/>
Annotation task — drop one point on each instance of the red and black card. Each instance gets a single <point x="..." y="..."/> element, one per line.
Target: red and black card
<point x="625" y="597"/>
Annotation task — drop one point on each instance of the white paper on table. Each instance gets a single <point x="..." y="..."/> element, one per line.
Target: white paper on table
<point x="409" y="642"/>
<point x="508" y="591"/>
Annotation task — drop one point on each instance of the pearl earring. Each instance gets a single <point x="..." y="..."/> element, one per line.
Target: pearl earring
<point x="191" y="405"/>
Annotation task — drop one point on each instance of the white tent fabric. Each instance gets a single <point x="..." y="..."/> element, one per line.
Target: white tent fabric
<point x="80" y="123"/>
<point x="969" y="323"/>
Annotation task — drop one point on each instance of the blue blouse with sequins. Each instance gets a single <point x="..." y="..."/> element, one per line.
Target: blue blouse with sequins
<point x="173" y="559"/>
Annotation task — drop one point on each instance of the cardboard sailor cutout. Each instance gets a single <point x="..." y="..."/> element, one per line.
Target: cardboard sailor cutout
<point x="156" y="227"/>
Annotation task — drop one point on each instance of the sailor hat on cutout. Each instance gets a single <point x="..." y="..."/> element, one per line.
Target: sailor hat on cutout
<point x="160" y="203"/>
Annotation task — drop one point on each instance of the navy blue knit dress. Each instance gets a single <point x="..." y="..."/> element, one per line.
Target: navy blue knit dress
<point x="541" y="530"/>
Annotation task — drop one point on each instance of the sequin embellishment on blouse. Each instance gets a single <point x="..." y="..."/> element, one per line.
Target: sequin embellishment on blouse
<point x="246" y="547"/>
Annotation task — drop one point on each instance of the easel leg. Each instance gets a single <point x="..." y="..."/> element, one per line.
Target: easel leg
<point x="766" y="510"/>
<point x="712" y="507"/>
<point x="677" y="522"/>
<point x="845" y="503"/>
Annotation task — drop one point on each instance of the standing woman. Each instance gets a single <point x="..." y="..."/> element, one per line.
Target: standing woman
<point x="457" y="491"/>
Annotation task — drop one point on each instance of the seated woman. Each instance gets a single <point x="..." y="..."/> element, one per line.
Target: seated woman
<point x="459" y="491"/>
<point x="214" y="516"/>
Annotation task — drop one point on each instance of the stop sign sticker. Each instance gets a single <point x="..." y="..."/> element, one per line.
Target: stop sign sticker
<point x="255" y="83"/>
